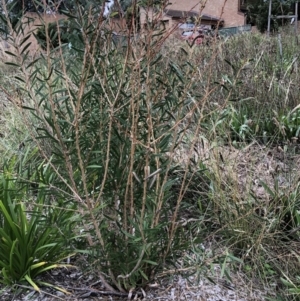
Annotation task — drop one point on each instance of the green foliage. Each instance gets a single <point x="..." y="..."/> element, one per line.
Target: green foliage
<point x="290" y="125"/>
<point x="286" y="206"/>
<point x="113" y="119"/>
<point x="258" y="12"/>
<point x="293" y="286"/>
<point x="55" y="40"/>
<point x="125" y="4"/>
<point x="63" y="32"/>
<point x="258" y="230"/>
<point x="243" y="126"/>
<point x="16" y="6"/>
<point x="258" y="85"/>
<point x="29" y="247"/>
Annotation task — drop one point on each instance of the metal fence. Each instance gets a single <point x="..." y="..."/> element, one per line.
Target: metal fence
<point x="230" y="31"/>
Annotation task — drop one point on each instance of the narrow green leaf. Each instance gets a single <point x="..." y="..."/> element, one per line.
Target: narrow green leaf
<point x="37" y="265"/>
<point x="47" y="246"/>
<point x="4" y="265"/>
<point x="9" y="220"/>
<point x="12" y="64"/>
<point x="24" y="40"/>
<point x="177" y="72"/>
<point x="54" y="266"/>
<point x="31" y="282"/>
<point x="230" y="64"/>
<point x="143" y="275"/>
<point x="26" y="47"/>
<point x="55" y="287"/>
<point x="12" y="251"/>
<point x="5" y="276"/>
<point x="94" y="166"/>
<point x="28" y="108"/>
<point x="268" y="189"/>
<point x="50" y="73"/>
<point x="287" y="283"/>
<point x="232" y="257"/>
<point x="33" y="62"/>
<point x="150" y="262"/>
<point x="20" y="79"/>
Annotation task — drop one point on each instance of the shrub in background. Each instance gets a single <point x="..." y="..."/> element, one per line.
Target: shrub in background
<point x="258" y="11"/>
<point x="54" y="33"/>
<point x="65" y="31"/>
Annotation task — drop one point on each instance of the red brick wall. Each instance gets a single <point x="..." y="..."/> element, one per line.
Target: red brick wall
<point x="227" y="10"/>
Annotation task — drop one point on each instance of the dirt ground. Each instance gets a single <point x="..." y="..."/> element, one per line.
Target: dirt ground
<point x="173" y="288"/>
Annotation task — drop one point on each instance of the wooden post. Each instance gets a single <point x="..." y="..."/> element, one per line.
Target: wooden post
<point x="296" y="19"/>
<point x="269" y="17"/>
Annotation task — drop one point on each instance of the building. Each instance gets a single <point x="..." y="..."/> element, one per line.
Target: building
<point x="230" y="13"/>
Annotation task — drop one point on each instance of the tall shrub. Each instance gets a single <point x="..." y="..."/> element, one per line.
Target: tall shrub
<point x="112" y="123"/>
